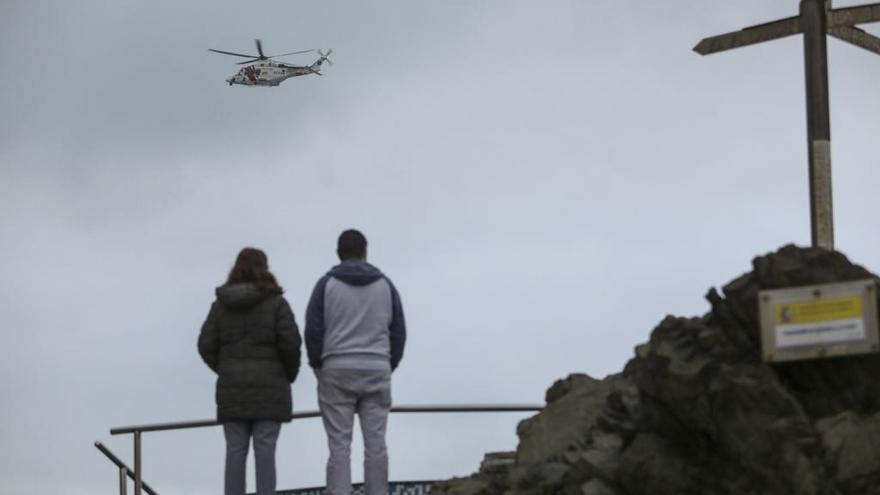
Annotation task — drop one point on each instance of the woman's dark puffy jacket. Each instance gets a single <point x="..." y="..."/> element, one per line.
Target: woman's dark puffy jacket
<point x="250" y="339"/>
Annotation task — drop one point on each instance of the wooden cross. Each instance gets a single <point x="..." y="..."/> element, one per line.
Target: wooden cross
<point x="815" y="20"/>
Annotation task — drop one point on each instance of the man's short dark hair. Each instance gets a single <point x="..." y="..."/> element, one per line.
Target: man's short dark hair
<point x="351" y="245"/>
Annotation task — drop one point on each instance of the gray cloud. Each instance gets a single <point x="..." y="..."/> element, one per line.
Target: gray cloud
<point x="543" y="182"/>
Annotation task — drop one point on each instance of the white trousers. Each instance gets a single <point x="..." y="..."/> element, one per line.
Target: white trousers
<point x="342" y="393"/>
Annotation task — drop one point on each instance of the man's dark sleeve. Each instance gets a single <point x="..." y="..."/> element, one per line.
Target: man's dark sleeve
<point x="397" y="327"/>
<point x="315" y="324"/>
<point x="209" y="341"/>
<point x="287" y="339"/>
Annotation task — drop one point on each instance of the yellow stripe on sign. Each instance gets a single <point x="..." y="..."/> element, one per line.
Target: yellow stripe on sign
<point x="841" y="308"/>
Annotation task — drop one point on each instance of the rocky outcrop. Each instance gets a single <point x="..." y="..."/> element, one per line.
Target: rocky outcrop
<point x="696" y="411"/>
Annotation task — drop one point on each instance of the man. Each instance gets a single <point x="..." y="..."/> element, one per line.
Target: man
<point x="355" y="334"/>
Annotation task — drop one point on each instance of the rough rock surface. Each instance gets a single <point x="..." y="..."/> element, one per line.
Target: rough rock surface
<point x="696" y="411"/>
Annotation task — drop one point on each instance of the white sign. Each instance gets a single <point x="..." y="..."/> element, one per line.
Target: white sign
<point x="819" y="321"/>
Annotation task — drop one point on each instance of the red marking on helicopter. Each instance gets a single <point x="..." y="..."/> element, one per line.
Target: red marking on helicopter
<point x="251" y="73"/>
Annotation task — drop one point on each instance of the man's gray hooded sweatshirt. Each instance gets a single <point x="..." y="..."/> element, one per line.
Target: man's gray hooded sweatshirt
<point x="355" y="320"/>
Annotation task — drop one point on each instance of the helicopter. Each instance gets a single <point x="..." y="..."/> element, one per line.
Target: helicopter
<point x="261" y="70"/>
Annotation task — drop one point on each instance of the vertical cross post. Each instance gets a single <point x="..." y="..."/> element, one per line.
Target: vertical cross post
<point x="814" y="20"/>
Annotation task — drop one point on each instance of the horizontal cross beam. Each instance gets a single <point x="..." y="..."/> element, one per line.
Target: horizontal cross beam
<point x="857" y="37"/>
<point x="850" y="16"/>
<point x="840" y="24"/>
<point x="750" y="36"/>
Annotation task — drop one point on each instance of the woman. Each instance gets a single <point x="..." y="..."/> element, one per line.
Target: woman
<point x="250" y="339"/>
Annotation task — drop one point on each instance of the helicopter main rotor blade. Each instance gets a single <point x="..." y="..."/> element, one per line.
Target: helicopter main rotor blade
<point x="260" y="48"/>
<point x="230" y="53"/>
<point x="249" y="61"/>
<point x="292" y="53"/>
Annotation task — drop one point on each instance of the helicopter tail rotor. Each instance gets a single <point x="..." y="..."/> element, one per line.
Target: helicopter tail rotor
<point x="316" y="67"/>
<point x="324" y="56"/>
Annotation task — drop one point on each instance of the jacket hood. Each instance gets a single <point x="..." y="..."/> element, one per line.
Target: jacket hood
<point x="355" y="272"/>
<point x="238" y="296"/>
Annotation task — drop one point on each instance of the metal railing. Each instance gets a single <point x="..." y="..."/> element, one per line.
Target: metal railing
<point x="137" y="430"/>
<point x="124" y="471"/>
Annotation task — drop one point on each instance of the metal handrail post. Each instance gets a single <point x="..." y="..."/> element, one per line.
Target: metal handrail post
<point x="122" y="466"/>
<point x="123" y="481"/>
<point x="137" y="463"/>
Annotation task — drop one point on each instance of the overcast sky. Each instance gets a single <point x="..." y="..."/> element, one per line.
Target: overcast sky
<point x="544" y="182"/>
